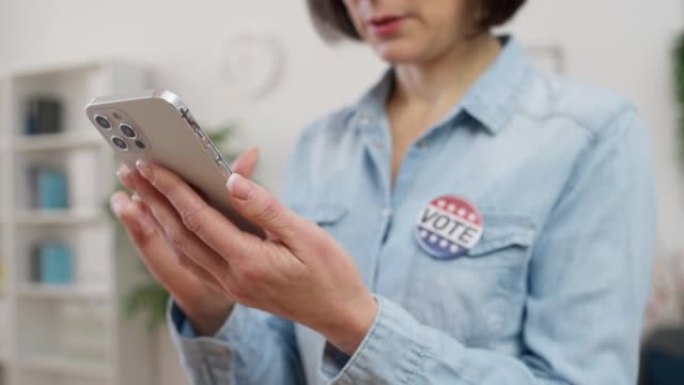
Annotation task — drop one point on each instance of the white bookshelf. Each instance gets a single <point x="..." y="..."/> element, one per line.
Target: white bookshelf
<point x="75" y="333"/>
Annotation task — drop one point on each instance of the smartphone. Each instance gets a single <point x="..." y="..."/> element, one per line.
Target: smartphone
<point x="157" y="127"/>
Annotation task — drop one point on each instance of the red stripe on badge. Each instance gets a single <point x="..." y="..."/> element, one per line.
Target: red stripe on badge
<point x="448" y="227"/>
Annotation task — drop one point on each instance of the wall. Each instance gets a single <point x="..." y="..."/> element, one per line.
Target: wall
<point x="623" y="45"/>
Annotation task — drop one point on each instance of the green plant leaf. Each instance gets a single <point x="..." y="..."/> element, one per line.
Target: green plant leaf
<point x="149" y="297"/>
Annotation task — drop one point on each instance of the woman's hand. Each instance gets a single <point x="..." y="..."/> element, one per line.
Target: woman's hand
<point x="196" y="292"/>
<point x="299" y="272"/>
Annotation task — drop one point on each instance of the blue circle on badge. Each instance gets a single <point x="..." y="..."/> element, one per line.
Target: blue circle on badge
<point x="448" y="227"/>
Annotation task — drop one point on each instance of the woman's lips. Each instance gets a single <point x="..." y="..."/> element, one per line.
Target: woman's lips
<point x="386" y="26"/>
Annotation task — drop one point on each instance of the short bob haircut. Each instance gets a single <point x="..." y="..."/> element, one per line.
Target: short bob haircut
<point x="333" y="22"/>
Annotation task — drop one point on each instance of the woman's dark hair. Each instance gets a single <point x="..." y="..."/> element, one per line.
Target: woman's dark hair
<point x="333" y="21"/>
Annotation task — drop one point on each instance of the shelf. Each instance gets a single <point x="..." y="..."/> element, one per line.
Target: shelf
<point x="65" y="334"/>
<point x="63" y="365"/>
<point x="57" y="217"/>
<point x="32" y="70"/>
<point x="52" y="142"/>
<point x="62" y="293"/>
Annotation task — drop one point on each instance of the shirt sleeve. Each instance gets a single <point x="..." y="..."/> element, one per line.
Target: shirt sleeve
<point x="252" y="347"/>
<point x="588" y="282"/>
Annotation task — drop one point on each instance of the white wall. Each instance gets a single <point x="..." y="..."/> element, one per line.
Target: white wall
<point x="620" y="44"/>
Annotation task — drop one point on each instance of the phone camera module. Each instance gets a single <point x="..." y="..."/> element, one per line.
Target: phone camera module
<point x="127" y="130"/>
<point x="103" y="122"/>
<point x="120" y="143"/>
<point x="141" y="145"/>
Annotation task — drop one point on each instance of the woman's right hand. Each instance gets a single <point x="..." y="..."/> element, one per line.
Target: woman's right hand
<point x="194" y="290"/>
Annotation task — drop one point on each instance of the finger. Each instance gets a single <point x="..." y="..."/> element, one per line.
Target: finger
<point x="141" y="205"/>
<point x="182" y="259"/>
<point x="196" y="215"/>
<point x="141" y="227"/>
<point x="263" y="209"/>
<point x="147" y="237"/>
<point x="123" y="173"/>
<point x="199" y="272"/>
<point x="177" y="234"/>
<point x="246" y="163"/>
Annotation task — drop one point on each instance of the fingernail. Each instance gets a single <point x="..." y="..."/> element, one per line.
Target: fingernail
<point x="144" y="169"/>
<point x="239" y="186"/>
<point x="116" y="204"/>
<point x="122" y="174"/>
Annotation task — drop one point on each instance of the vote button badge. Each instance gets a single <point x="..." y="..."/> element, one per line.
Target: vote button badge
<point x="448" y="227"/>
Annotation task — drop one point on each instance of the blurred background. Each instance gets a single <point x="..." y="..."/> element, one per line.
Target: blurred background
<point x="75" y="305"/>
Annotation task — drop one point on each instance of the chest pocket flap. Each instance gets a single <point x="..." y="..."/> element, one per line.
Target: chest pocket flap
<point x="324" y="214"/>
<point x="501" y="231"/>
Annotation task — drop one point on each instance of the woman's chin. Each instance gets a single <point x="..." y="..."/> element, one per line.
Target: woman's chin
<point x="398" y="54"/>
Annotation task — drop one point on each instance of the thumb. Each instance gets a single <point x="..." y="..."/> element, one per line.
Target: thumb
<point x="260" y="207"/>
<point x="246" y="162"/>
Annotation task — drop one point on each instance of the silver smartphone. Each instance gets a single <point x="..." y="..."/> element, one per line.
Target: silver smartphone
<point x="157" y="127"/>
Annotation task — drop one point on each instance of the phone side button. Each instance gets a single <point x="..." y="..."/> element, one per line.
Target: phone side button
<point x="224" y="167"/>
<point x="214" y="153"/>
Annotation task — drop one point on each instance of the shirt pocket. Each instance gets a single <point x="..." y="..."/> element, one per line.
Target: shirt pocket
<point x="325" y="215"/>
<point x="477" y="298"/>
<point x="506" y="240"/>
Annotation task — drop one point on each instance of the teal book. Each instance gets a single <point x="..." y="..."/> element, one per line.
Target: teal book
<point x="52" y="189"/>
<point x="56" y="264"/>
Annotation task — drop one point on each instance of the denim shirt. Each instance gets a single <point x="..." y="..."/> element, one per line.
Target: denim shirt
<point x="552" y="293"/>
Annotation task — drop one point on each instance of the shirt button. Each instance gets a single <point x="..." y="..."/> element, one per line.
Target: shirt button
<point x="364" y="120"/>
<point x="386" y="213"/>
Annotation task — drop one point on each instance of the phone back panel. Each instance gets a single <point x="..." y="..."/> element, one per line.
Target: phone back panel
<point x="171" y="138"/>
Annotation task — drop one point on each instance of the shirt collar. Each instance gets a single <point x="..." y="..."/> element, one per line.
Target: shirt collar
<point x="491" y="100"/>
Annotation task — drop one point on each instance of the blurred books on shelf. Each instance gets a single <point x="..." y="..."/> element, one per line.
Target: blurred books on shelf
<point x="65" y="278"/>
<point x="44" y="116"/>
<point x="52" y="263"/>
<point x="49" y="188"/>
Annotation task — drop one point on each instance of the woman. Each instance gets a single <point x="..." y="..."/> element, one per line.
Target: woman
<point x="471" y="220"/>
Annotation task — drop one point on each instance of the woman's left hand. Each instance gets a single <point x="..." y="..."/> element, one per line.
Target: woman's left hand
<point x="298" y="272"/>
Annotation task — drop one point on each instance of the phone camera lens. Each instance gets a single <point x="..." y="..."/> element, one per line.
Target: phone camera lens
<point x="141" y="145"/>
<point x="120" y="143"/>
<point x="103" y="122"/>
<point x="127" y="130"/>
